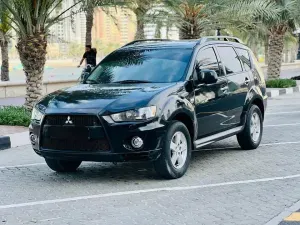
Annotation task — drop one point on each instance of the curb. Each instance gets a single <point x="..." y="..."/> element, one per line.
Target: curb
<point x="14" y="140"/>
<point x="274" y="92"/>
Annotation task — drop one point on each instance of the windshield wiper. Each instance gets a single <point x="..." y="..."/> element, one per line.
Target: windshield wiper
<point x="132" y="81"/>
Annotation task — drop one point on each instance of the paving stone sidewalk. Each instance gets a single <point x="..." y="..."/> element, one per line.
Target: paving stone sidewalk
<point x="5" y="130"/>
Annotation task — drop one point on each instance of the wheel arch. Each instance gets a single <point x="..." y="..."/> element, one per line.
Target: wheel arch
<point x="186" y="118"/>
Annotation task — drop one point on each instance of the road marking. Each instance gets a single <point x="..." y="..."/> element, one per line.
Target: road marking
<point x="278" y="113"/>
<point x="283" y="125"/>
<point x="169" y="189"/>
<point x="277" y="219"/>
<point x="24" y="165"/>
<point x="295" y="217"/>
<point x="281" y="143"/>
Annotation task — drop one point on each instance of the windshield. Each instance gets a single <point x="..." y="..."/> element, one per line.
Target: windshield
<point x="146" y="65"/>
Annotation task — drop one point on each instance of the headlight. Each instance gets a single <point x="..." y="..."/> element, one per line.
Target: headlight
<point x="135" y="115"/>
<point x="36" y="115"/>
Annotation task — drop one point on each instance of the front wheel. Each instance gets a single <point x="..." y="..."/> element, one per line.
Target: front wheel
<point x="250" y="137"/>
<point x="62" y="165"/>
<point x="176" y="153"/>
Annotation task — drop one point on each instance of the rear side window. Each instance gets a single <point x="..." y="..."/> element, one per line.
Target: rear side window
<point x="230" y="60"/>
<point x="207" y="60"/>
<point x="245" y="58"/>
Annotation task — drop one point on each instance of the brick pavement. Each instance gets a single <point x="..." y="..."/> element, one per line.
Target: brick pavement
<point x="245" y="203"/>
<point x="5" y="130"/>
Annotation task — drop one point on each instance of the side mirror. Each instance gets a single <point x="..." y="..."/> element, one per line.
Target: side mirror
<point x="207" y="77"/>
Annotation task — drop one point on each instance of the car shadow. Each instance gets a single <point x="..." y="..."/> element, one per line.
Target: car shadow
<point x="135" y="171"/>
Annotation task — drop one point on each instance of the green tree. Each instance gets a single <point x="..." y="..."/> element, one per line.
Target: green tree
<point x="285" y="20"/>
<point x="195" y="17"/>
<point x="31" y="21"/>
<point x="5" y="28"/>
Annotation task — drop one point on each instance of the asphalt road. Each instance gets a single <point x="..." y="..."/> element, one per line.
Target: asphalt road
<point x="224" y="185"/>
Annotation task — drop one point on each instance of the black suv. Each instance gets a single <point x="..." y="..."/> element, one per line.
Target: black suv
<point x="154" y="100"/>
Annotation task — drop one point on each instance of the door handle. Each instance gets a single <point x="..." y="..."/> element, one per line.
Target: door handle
<point x="247" y="81"/>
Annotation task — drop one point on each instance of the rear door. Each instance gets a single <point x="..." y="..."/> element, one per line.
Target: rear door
<point x="238" y="76"/>
<point x="210" y="100"/>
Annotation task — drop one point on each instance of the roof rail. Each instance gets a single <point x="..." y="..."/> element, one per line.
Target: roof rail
<point x="145" y="40"/>
<point x="220" y="38"/>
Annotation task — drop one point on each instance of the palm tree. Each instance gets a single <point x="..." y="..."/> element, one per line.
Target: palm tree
<point x="31" y="21"/>
<point x="284" y="21"/>
<point x="4" y="40"/>
<point x="195" y="17"/>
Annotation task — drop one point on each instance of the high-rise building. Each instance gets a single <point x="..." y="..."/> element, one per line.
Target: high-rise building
<point x="71" y="29"/>
<point x="114" y="25"/>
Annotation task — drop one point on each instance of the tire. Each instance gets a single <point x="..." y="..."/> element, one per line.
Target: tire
<point x="62" y="165"/>
<point x="246" y="139"/>
<point x="167" y="165"/>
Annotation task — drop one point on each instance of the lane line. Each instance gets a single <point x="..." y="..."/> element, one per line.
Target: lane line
<point x="282" y="125"/>
<point x="24" y="165"/>
<point x="124" y="193"/>
<point x="278" y="113"/>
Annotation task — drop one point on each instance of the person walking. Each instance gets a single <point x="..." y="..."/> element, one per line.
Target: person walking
<point x="90" y="56"/>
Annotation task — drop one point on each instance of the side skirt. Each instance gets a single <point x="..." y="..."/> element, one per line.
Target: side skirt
<point x="217" y="137"/>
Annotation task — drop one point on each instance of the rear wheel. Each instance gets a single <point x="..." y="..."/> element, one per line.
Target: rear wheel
<point x="176" y="153"/>
<point x="62" y="165"/>
<point x="250" y="137"/>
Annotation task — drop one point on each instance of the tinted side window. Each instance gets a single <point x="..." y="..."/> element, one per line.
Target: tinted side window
<point x="245" y="58"/>
<point x="207" y="59"/>
<point x="230" y="60"/>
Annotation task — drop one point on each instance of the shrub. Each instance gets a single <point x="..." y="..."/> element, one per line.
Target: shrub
<point x="14" y="116"/>
<point x="281" y="83"/>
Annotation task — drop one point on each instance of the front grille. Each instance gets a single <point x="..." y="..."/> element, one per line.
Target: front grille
<point x="77" y="120"/>
<point x="75" y="135"/>
<point x="76" y="145"/>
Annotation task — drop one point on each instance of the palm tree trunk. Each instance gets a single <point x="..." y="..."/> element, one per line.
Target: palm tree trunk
<point x="158" y="30"/>
<point x="267" y="50"/>
<point x="89" y="26"/>
<point x="286" y="56"/>
<point x="5" y="61"/>
<point x="32" y="51"/>
<point x="139" y="35"/>
<point x="276" y="45"/>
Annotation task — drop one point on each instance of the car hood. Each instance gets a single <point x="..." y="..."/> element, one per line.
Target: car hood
<point x="111" y="97"/>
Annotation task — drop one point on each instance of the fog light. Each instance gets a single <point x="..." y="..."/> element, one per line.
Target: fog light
<point x="33" y="139"/>
<point x="137" y="142"/>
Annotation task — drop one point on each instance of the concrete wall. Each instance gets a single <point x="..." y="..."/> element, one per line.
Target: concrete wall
<point x="17" y="89"/>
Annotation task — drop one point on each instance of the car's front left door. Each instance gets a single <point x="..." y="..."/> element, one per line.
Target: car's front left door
<point x="210" y="99"/>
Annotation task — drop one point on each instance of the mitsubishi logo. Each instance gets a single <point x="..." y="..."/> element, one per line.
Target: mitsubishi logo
<point x="69" y="121"/>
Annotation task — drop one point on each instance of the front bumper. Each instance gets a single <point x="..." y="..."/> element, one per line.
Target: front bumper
<point x="118" y="136"/>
